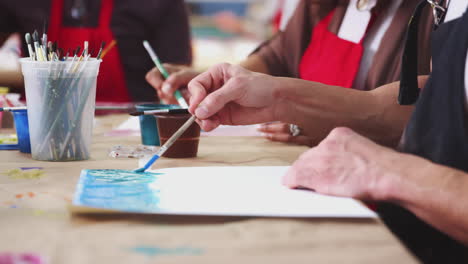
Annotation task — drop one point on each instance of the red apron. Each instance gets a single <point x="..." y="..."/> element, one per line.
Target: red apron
<point x="111" y="80"/>
<point x="329" y="59"/>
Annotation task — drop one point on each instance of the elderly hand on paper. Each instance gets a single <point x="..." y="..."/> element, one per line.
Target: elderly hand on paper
<point x="231" y="95"/>
<point x="180" y="76"/>
<point x="345" y="164"/>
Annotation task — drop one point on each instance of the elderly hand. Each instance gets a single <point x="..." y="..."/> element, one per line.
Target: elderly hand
<point x="345" y="164"/>
<point x="180" y="76"/>
<point x="232" y="95"/>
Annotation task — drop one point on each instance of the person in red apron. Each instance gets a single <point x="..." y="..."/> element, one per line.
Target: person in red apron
<point x="164" y="23"/>
<point x="328" y="59"/>
<point x="317" y="53"/>
<point x="111" y="80"/>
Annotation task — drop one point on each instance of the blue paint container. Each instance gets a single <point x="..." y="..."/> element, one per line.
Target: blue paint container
<point x="22" y="130"/>
<point x="148" y="124"/>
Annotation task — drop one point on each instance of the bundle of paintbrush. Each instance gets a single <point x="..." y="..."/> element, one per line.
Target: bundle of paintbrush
<point x="60" y="91"/>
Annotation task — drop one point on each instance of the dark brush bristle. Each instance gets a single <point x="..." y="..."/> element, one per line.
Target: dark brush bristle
<point x="60" y="53"/>
<point x="35" y="36"/>
<point x="137" y="113"/>
<point x="54" y="46"/>
<point x="77" y="51"/>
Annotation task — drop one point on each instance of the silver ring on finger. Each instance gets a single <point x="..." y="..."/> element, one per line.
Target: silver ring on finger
<point x="294" y="130"/>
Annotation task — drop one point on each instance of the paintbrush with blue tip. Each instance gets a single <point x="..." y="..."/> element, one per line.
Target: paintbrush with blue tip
<point x="167" y="145"/>
<point x="181" y="111"/>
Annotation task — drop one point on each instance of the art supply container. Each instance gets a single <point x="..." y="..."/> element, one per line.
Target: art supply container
<point x="22" y="130"/>
<point x="187" y="145"/>
<point x="148" y="124"/>
<point x="61" y="99"/>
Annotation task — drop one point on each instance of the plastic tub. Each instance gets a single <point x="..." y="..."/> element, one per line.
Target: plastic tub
<point x="61" y="100"/>
<point x="148" y="123"/>
<point x="187" y="145"/>
<point x="22" y="130"/>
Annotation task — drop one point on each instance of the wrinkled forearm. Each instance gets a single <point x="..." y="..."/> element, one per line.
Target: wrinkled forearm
<point x="435" y="193"/>
<point x="318" y="108"/>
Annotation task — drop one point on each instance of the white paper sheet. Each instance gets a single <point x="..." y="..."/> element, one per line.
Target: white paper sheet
<point x="230" y="191"/>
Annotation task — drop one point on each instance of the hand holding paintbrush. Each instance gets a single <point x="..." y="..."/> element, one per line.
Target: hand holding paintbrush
<point x="164" y="73"/>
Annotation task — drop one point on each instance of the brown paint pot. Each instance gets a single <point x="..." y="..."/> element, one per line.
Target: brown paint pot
<point x="184" y="147"/>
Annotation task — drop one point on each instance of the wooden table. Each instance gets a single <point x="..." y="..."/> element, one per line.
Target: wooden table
<point x="34" y="217"/>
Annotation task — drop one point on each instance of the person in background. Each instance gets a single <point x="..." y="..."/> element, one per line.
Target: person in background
<point x="10" y="52"/>
<point x="163" y="23"/>
<point x="421" y="189"/>
<point x="317" y="45"/>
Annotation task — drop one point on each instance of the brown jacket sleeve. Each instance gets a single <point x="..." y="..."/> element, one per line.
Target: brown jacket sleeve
<point x="282" y="54"/>
<point x="386" y="65"/>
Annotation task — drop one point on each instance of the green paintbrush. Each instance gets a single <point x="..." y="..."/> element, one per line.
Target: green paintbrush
<point x="165" y="74"/>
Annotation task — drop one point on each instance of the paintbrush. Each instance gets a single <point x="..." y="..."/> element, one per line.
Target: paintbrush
<point x="44" y="38"/>
<point x="49" y="50"/>
<point x="163" y="71"/>
<point x="60" y="54"/>
<point x="161" y="111"/>
<point x="86" y="47"/>
<point x="37" y="47"/>
<point x="28" y="38"/>
<point x="55" y="53"/>
<point x="10" y="109"/>
<point x="108" y="48"/>
<point x="98" y="57"/>
<point x="167" y="145"/>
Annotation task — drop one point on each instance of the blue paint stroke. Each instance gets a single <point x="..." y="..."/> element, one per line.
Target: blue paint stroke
<point x="151" y="251"/>
<point x="119" y="190"/>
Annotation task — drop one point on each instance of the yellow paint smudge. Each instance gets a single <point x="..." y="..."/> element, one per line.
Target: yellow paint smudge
<point x="27" y="174"/>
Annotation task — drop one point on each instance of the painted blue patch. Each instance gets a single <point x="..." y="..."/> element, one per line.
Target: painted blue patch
<point x="157" y="251"/>
<point x="118" y="190"/>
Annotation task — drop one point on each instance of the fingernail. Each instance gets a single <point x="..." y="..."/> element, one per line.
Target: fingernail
<point x="261" y="126"/>
<point x="201" y="112"/>
<point x="166" y="88"/>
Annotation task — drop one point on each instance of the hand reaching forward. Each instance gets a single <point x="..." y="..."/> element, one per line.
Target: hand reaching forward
<point x="180" y="76"/>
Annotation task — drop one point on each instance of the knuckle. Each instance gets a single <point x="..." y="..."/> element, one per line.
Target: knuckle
<point x="330" y="144"/>
<point x="149" y="76"/>
<point x="340" y="132"/>
<point x="211" y="100"/>
<point x="238" y="81"/>
<point x="224" y="65"/>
